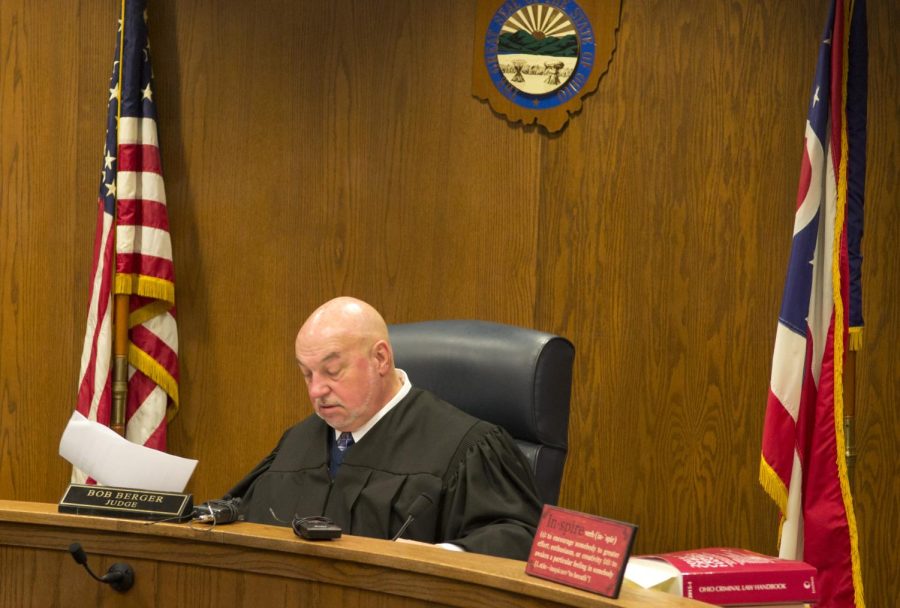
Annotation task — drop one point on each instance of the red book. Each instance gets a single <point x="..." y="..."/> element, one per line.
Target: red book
<point x="727" y="577"/>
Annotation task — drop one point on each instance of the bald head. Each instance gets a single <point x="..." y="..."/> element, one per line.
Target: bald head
<point x="346" y="359"/>
<point x="345" y="317"/>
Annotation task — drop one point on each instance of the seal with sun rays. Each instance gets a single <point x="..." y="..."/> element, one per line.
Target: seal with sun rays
<point x="536" y="61"/>
<point x="532" y="43"/>
<point x="539" y="53"/>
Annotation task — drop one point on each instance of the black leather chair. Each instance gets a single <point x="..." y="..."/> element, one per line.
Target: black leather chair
<point x="519" y="379"/>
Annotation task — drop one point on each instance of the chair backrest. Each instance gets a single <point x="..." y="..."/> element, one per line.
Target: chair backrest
<point x="517" y="378"/>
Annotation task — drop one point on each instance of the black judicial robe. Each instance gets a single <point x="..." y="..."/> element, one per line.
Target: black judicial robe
<point x="481" y="485"/>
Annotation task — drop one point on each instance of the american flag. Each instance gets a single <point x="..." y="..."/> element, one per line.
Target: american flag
<point x="803" y="467"/>
<point x="132" y="253"/>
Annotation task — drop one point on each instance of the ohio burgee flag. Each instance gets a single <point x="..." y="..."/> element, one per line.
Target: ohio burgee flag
<point x="803" y="466"/>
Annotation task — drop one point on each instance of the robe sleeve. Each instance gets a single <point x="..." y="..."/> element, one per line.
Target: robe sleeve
<point x="491" y="504"/>
<point x="240" y="489"/>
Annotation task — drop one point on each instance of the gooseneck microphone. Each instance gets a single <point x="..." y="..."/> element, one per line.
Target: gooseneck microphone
<point x="120" y="576"/>
<point x="418" y="506"/>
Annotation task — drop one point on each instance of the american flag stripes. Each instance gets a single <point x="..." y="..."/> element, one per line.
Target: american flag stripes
<point x="132" y="253"/>
<point x="803" y="467"/>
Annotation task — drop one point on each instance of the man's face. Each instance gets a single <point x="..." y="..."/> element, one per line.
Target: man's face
<point x="342" y="380"/>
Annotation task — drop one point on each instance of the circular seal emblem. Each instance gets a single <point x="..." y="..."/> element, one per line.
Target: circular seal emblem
<point x="539" y="54"/>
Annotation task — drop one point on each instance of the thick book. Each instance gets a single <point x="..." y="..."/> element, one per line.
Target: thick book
<point x="727" y="577"/>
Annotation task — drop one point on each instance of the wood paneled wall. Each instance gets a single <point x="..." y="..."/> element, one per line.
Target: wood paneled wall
<point x="313" y="149"/>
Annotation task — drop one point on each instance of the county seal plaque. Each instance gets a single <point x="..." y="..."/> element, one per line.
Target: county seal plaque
<point x="536" y="60"/>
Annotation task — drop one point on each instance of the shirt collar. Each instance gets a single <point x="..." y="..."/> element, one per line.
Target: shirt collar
<point x="403" y="392"/>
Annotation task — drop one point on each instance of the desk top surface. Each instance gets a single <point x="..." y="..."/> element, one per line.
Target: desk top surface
<point x="485" y="572"/>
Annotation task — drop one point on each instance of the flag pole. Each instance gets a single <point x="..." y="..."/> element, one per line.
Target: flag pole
<point x="856" y="85"/>
<point x="120" y="365"/>
<point x="850" y="413"/>
<point x="120" y="311"/>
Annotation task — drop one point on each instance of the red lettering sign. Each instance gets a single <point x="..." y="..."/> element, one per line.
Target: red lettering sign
<point x="581" y="550"/>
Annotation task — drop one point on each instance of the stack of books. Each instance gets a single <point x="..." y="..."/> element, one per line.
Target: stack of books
<point x="726" y="577"/>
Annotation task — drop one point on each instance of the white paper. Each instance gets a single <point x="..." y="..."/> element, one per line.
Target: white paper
<point x="112" y="460"/>
<point x="653" y="574"/>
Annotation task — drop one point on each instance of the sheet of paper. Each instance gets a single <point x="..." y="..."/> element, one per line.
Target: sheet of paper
<point x="653" y="574"/>
<point x="114" y="461"/>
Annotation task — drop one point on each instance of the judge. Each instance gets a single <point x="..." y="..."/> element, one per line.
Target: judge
<point x="378" y="449"/>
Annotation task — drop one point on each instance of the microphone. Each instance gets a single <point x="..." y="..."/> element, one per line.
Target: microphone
<point x="120" y="576"/>
<point x="418" y="506"/>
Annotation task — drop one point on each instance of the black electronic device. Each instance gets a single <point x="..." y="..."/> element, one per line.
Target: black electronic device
<point x="316" y="528"/>
<point x="218" y="511"/>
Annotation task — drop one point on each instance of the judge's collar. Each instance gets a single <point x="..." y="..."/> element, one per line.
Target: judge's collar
<point x="403" y="392"/>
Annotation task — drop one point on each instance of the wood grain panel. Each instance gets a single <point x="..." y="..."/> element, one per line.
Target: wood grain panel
<point x="37" y="176"/>
<point x="877" y="479"/>
<point x="52" y="578"/>
<point x="363" y="171"/>
<point x="668" y="283"/>
<point x="201" y="564"/>
<point x="312" y="149"/>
